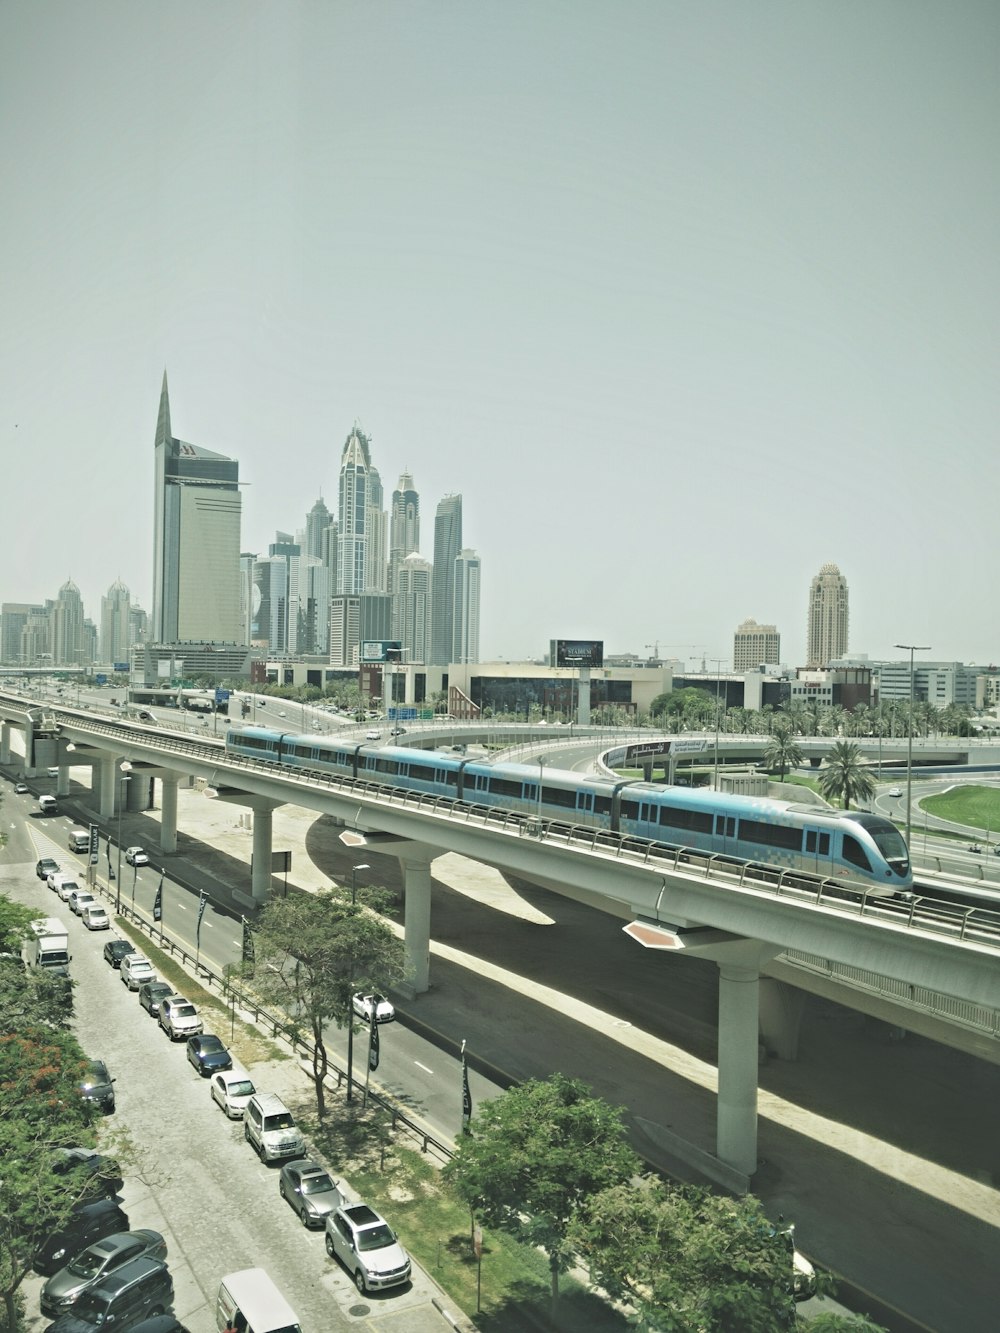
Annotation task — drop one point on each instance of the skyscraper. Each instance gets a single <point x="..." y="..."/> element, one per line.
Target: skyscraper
<point x="411" y="607"/>
<point x="465" y="608"/>
<point x="318" y="520"/>
<point x="196" y="536"/>
<point x="116" y="609"/>
<point x="355" y="465"/>
<point x="68" y="642"/>
<point x="447" y="545"/>
<point x="826" y="639"/>
<point x="755" y="645"/>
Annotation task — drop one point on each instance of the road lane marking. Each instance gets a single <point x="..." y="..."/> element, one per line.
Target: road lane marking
<point x="423" y="1067"/>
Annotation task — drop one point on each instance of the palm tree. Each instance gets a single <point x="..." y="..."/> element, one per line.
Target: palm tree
<point x="782" y="751"/>
<point x="846" y="775"/>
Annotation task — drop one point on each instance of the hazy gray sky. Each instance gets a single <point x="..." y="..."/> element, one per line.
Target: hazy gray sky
<point x="685" y="299"/>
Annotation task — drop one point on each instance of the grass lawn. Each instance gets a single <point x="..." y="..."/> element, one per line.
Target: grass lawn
<point x="978" y="807"/>
<point x="405" y="1186"/>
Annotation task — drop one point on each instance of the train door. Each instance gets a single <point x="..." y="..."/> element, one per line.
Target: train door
<point x="585" y="807"/>
<point x="817" y="851"/>
<point x="725" y="833"/>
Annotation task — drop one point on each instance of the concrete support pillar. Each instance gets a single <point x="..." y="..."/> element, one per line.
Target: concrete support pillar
<point x="263" y="821"/>
<point x="736" y="1129"/>
<point x="417" y="922"/>
<point x="108" y="786"/>
<point x="781" y="1008"/>
<point x="168" y="814"/>
<point x="5" y="743"/>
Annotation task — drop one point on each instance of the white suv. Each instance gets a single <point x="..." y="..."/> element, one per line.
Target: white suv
<point x="178" y="1017"/>
<point x="135" y="969"/>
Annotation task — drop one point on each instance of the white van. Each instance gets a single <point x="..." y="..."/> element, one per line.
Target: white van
<point x="249" y="1300"/>
<point x="48" y="805"/>
<point x="79" y="840"/>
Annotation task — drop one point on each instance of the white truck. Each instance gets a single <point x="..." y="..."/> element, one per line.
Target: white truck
<point x="47" y="946"/>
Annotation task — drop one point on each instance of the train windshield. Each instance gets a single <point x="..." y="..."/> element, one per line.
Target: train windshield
<point x="887" y="838"/>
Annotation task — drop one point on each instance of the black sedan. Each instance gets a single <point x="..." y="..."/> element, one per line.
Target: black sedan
<point x="88" y="1222"/>
<point x="151" y="993"/>
<point x="208" y="1055"/>
<point x="97" y="1176"/>
<point x="96" y="1086"/>
<point x="115" y="951"/>
<point x="45" y="867"/>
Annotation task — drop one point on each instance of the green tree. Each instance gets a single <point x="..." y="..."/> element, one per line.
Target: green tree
<point x="40" y="1109"/>
<point x="782" y="751"/>
<point x="690" y="1261"/>
<point x="313" y="951"/>
<point x="840" y="1323"/>
<point x="845" y="775"/>
<point x="534" y="1155"/>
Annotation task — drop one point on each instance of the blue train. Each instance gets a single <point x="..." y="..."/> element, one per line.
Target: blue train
<point x="850" y="845"/>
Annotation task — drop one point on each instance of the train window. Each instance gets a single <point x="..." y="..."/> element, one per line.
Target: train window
<point x="698" y="821"/>
<point x="855" y="853"/>
<point x="602" y="805"/>
<point x="817" y="843"/>
<point x="506" y="787"/>
<point x="425" y="773"/>
<point x="559" y="796"/>
<point x="770" y="835"/>
<point x="725" y="826"/>
<point x="390" y="767"/>
<point x="630" y="810"/>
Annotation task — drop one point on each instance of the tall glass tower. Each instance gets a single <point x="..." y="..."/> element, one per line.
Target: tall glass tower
<point x="196" y="541"/>
<point x="447" y="546"/>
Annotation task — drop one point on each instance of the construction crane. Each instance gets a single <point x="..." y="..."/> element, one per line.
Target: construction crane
<point x="698" y="647"/>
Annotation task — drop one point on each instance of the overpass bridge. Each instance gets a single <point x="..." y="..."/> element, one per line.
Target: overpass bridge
<point x="741" y="917"/>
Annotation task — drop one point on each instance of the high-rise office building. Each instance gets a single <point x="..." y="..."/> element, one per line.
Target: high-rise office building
<point x="447" y="546"/>
<point x="465" y="608"/>
<point x="69" y="646"/>
<point x="411" y="607"/>
<point x="826" y="638"/>
<point x="404" y="525"/>
<point x="116" y="607"/>
<point x="318" y="520"/>
<point x="756" y="645"/>
<point x="196" y="540"/>
<point x="14" y="616"/>
<point x="355" y="467"/>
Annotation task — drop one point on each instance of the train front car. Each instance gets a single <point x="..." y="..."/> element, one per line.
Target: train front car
<point x="886" y="849"/>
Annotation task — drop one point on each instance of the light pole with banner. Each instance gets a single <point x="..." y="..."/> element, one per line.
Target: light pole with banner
<point x="124" y="776"/>
<point x="911" y="648"/>
<point x="350" y="987"/>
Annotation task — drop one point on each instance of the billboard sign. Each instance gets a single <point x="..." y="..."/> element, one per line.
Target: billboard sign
<point x="577" y="652"/>
<point x="375" y="652"/>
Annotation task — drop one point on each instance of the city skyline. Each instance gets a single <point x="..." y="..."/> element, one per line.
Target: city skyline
<point x="676" y="347"/>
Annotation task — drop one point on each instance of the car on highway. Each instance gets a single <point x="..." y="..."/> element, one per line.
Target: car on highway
<point x="116" y="949"/>
<point x="135" y="856"/>
<point x="79" y="899"/>
<point x="398" y="731"/>
<point x="87" y="1222"/>
<point x="894" y="791"/>
<point x="97" y="1086"/>
<point x="135" y="969"/>
<point x="178" y="1017"/>
<point x="95" y="917"/>
<point x="64" y="885"/>
<point x="232" y="1089"/>
<point x="67" y="1285"/>
<point x="45" y="866"/>
<point x="373" y="734"/>
<point x="208" y="1054"/>
<point x="366" y="1245"/>
<point x="362" y="1006"/>
<point x="152" y="992"/>
<point x="310" y="1190"/>
<point x="20" y="788"/>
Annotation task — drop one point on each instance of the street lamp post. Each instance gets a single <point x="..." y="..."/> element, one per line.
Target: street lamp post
<point x="123" y="777"/>
<point x="350" y="988"/>
<point x="541" y="772"/>
<point x="911" y="648"/>
<point x="718" y="681"/>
